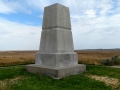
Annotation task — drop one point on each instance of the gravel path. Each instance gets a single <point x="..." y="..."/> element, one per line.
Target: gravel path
<point x="115" y="66"/>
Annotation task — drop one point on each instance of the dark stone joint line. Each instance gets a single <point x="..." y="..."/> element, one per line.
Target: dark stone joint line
<point x="56" y="27"/>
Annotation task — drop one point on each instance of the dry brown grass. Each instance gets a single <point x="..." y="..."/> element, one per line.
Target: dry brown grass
<point x="6" y="84"/>
<point x="113" y="82"/>
<point x="93" y="57"/>
<point x="84" y="56"/>
<point x="16" y="57"/>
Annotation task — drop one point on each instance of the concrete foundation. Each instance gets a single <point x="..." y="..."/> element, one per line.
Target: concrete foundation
<point x="56" y="72"/>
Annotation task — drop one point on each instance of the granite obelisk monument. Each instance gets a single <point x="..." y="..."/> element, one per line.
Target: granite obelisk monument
<point x="56" y="56"/>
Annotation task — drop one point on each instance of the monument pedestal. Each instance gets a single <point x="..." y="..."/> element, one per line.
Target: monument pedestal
<point x="56" y="65"/>
<point x="56" y="72"/>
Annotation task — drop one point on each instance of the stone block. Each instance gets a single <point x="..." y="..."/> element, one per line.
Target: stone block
<point x="56" y="72"/>
<point x="57" y="59"/>
<point x="56" y="16"/>
<point x="56" y="40"/>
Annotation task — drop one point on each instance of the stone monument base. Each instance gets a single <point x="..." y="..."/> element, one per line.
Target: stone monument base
<point x="56" y="59"/>
<point x="56" y="72"/>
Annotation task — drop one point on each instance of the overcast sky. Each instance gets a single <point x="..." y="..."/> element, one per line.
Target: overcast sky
<point x="95" y="23"/>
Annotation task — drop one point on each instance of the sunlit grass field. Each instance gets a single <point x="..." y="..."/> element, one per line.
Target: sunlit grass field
<point x="16" y="57"/>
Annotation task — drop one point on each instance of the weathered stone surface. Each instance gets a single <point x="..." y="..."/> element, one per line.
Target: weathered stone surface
<point x="57" y="72"/>
<point x="56" y="16"/>
<point x="57" y="59"/>
<point x="56" y="56"/>
<point x="56" y="40"/>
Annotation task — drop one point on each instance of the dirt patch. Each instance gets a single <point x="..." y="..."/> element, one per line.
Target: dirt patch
<point x="6" y="84"/>
<point x="115" y="66"/>
<point x="107" y="80"/>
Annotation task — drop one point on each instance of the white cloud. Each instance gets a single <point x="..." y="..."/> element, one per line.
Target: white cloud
<point x="4" y="7"/>
<point x="95" y="28"/>
<point x="13" y="6"/>
<point x="18" y="35"/>
<point x="38" y="4"/>
<point x="26" y="6"/>
<point x="90" y="13"/>
<point x="99" y="31"/>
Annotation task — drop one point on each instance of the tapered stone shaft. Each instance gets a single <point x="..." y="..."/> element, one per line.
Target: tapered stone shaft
<point x="56" y="46"/>
<point x="56" y="34"/>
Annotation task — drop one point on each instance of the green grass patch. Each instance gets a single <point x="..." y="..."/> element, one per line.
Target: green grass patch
<point x="74" y="82"/>
<point x="104" y="71"/>
<point x="15" y="64"/>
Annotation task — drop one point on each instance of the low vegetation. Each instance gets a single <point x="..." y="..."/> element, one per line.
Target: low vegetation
<point x="113" y="61"/>
<point x="8" y="58"/>
<point x="95" y="78"/>
<point x="84" y="56"/>
<point x="96" y="56"/>
<point x="17" y="78"/>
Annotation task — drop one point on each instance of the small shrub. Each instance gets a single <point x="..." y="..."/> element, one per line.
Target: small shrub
<point x="116" y="60"/>
<point x="109" y="62"/>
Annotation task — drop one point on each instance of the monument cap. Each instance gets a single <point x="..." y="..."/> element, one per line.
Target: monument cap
<point x="56" y="16"/>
